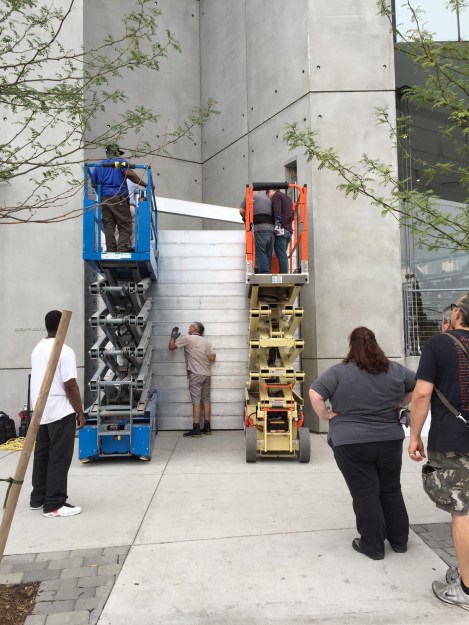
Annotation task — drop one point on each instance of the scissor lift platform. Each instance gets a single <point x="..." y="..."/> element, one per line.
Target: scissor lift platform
<point x="273" y="408"/>
<point x="122" y="419"/>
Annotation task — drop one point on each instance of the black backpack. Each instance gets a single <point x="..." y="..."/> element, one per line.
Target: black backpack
<point x="7" y="428"/>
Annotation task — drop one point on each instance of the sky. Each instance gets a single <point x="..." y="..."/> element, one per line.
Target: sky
<point x="438" y="19"/>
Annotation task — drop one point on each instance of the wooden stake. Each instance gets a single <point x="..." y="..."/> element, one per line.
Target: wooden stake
<point x="32" y="430"/>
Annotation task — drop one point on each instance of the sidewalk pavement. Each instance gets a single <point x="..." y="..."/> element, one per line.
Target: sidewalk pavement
<point x="197" y="536"/>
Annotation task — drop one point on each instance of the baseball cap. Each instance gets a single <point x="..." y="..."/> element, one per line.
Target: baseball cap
<point x="114" y="148"/>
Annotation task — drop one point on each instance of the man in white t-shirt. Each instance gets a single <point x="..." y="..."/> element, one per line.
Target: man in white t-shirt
<point x="56" y="435"/>
<point x="199" y="356"/>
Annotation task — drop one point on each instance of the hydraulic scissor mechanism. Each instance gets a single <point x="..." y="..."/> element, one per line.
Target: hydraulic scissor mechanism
<point x="274" y="415"/>
<point x="273" y="407"/>
<point x="122" y="417"/>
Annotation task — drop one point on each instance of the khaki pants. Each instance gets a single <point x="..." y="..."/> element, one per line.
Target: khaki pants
<point x="116" y="214"/>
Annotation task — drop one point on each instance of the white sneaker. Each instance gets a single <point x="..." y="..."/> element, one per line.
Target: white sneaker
<point x="452" y="574"/>
<point x="65" y="510"/>
<point x="451" y="593"/>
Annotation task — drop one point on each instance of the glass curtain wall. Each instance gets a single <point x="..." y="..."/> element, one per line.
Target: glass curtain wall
<point x="432" y="280"/>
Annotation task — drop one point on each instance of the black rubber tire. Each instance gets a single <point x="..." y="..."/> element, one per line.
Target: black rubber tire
<point x="251" y="445"/>
<point x="304" y="453"/>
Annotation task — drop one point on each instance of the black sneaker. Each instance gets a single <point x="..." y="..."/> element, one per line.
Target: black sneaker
<point x="206" y="429"/>
<point x="194" y="433"/>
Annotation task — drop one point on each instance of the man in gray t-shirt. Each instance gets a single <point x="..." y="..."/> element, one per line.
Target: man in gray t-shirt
<point x="199" y="356"/>
<point x="264" y="231"/>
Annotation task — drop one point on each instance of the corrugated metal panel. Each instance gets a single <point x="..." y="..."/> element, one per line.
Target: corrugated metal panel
<point x="201" y="278"/>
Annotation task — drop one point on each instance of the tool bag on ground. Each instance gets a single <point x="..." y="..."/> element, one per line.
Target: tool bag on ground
<point x="7" y="428"/>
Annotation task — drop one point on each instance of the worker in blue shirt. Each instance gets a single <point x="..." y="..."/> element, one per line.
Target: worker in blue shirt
<point x="115" y="212"/>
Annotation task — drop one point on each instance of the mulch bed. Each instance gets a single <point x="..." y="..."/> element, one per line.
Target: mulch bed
<point x="17" y="601"/>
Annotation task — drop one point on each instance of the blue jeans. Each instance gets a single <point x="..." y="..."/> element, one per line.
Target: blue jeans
<point x="281" y="247"/>
<point x="264" y="241"/>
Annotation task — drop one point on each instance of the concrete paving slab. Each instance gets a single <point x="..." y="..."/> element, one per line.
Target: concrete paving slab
<point x="113" y="509"/>
<point x="217" y="540"/>
<point x="298" y="578"/>
<point x="225" y="452"/>
<point x="191" y="507"/>
<point x="122" y="465"/>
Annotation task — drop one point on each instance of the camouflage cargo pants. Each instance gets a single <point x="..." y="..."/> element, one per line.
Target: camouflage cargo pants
<point x="446" y="480"/>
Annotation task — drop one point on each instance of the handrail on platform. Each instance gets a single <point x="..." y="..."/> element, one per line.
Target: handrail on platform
<point x="299" y="240"/>
<point x="145" y="219"/>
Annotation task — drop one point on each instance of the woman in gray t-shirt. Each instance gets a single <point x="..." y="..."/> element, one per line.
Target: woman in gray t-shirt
<point x="365" y="391"/>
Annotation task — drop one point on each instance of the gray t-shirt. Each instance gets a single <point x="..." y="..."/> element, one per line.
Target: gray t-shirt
<point x="366" y="404"/>
<point x="197" y="350"/>
<point x="261" y="206"/>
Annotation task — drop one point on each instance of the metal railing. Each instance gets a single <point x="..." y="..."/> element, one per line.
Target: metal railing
<point x="423" y="313"/>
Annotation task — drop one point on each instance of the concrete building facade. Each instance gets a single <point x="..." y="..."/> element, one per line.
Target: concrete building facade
<point x="327" y="66"/>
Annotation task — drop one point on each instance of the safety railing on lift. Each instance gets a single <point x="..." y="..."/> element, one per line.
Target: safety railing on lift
<point x="145" y="218"/>
<point x="298" y="246"/>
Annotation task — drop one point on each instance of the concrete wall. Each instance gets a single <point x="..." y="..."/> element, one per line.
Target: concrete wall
<point x="326" y="66"/>
<point x="172" y="92"/>
<point x="41" y="270"/>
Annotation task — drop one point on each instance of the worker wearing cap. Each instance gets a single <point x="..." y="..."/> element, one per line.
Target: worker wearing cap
<point x="115" y="214"/>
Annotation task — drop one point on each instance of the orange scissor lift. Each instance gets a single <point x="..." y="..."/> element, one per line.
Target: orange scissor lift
<point x="273" y="406"/>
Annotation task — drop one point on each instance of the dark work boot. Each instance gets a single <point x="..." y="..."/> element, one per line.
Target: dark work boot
<point x="195" y="432"/>
<point x="206" y="429"/>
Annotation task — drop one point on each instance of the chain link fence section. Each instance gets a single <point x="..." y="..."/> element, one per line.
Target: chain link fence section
<point x="423" y="313"/>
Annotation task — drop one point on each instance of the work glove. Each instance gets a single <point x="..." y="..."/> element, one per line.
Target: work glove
<point x="175" y="333"/>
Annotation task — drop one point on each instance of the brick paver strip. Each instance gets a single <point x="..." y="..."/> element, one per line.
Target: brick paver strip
<point x="25" y="557"/>
<point x="109" y="569"/>
<point x="76" y="593"/>
<point x="68" y="563"/>
<point x="75" y="585"/>
<point x="11" y="578"/>
<point x="59" y="584"/>
<point x="53" y="555"/>
<point x="36" y="619"/>
<point x="116" y="550"/>
<point x="26" y="567"/>
<point x="98" y="560"/>
<point x="68" y="618"/>
<point x="90" y="603"/>
<point x="87" y="553"/>
<point x="47" y="595"/>
<point x="103" y="591"/>
<point x="79" y="571"/>
<point x="50" y="607"/>
<point x="99" y="580"/>
<point x="40" y="576"/>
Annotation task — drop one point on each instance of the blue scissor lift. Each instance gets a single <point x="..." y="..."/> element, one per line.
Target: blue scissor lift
<point x="122" y="417"/>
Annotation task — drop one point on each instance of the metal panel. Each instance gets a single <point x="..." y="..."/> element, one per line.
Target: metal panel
<point x="201" y="262"/>
<point x="212" y="302"/>
<point x="226" y="325"/>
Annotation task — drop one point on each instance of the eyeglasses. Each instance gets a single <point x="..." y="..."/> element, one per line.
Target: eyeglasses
<point x="453" y="306"/>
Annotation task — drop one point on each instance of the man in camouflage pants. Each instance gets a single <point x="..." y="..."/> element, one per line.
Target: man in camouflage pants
<point x="444" y="370"/>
